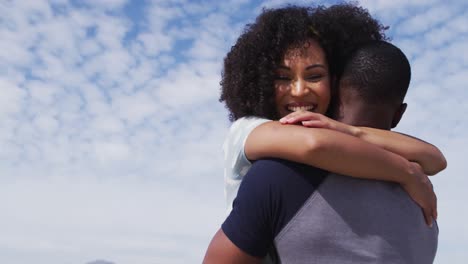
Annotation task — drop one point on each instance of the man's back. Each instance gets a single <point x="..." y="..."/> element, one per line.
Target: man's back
<point x="349" y="220"/>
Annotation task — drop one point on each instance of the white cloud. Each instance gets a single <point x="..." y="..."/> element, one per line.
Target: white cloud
<point x="155" y="42"/>
<point x="392" y="6"/>
<point x="428" y="20"/>
<point x="11" y="99"/>
<point x="187" y="85"/>
<point x="134" y="108"/>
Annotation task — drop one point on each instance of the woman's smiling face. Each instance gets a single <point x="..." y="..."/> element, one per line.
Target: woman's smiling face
<point x="302" y="81"/>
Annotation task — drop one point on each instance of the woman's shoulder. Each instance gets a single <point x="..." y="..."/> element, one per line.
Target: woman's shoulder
<point x="247" y="123"/>
<point x="238" y="133"/>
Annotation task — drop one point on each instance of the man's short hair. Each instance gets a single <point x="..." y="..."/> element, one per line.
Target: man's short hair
<point x="379" y="72"/>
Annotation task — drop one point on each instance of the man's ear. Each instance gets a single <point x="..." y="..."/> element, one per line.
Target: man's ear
<point x="398" y="114"/>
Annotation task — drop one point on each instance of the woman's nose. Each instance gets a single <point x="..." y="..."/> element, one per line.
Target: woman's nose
<point x="299" y="88"/>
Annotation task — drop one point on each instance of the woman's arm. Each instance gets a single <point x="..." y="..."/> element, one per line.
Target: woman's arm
<point x="428" y="156"/>
<point x="326" y="149"/>
<point x="343" y="154"/>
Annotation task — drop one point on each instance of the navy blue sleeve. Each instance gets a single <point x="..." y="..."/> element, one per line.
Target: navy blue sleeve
<point x="269" y="196"/>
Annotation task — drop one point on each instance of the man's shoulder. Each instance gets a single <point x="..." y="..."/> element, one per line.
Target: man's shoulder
<point x="283" y="173"/>
<point x="270" y="194"/>
<point x="281" y="187"/>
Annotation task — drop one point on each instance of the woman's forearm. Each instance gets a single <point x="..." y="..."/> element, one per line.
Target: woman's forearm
<point x="343" y="154"/>
<point x="413" y="149"/>
<point x="327" y="149"/>
<point x="428" y="156"/>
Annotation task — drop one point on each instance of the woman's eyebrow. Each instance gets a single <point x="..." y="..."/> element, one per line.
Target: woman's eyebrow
<point x="315" y="66"/>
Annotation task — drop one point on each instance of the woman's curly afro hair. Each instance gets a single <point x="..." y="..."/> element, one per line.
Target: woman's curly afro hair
<point x="247" y="85"/>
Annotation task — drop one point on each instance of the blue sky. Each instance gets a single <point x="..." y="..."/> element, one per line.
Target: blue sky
<point x="111" y="131"/>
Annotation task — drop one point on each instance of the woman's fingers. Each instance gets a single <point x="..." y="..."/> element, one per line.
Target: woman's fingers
<point x="427" y="216"/>
<point x="434" y="211"/>
<point x="299" y="116"/>
<point x="314" y="123"/>
<point x="419" y="187"/>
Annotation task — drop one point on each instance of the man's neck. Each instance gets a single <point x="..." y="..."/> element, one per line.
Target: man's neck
<point x="358" y="114"/>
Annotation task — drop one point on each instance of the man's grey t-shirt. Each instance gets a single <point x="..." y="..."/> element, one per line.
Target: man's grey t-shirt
<point x="341" y="220"/>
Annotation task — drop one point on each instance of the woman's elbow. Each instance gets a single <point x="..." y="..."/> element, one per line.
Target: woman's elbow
<point x="439" y="165"/>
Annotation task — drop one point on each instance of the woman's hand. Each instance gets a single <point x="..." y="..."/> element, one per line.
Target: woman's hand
<point x="421" y="191"/>
<point x="311" y="119"/>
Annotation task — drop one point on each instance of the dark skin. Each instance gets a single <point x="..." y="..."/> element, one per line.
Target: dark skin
<point x="360" y="113"/>
<point x="222" y="250"/>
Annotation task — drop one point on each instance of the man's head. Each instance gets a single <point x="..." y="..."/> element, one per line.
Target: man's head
<point x="372" y="86"/>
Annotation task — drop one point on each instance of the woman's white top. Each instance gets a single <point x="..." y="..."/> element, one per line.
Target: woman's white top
<point x="236" y="163"/>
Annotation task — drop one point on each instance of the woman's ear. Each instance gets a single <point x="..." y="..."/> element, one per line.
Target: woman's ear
<point x="398" y="114"/>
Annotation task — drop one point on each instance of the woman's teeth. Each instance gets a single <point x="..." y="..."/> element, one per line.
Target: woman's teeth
<point x="300" y="108"/>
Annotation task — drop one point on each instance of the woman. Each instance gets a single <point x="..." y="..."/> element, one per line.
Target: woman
<point x="285" y="62"/>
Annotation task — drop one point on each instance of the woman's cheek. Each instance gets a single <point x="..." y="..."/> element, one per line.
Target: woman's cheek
<point x="280" y="91"/>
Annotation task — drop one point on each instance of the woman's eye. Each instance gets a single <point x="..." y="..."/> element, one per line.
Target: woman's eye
<point x="314" y="77"/>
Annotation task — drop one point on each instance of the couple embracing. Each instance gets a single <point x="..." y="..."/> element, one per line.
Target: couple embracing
<point x="313" y="173"/>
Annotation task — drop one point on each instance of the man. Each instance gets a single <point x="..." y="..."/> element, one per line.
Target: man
<point x="331" y="218"/>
